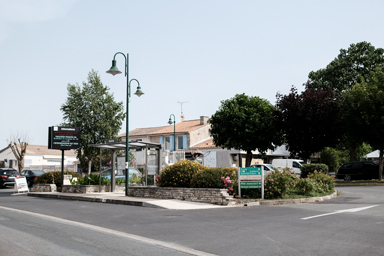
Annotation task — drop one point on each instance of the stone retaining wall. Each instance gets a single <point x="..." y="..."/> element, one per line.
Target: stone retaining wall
<point x="202" y="195"/>
<point x="43" y="188"/>
<point x="91" y="188"/>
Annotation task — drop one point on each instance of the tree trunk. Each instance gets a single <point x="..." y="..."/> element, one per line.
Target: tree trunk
<point x="381" y="164"/>
<point x="19" y="152"/>
<point x="352" y="152"/>
<point x="248" y="158"/>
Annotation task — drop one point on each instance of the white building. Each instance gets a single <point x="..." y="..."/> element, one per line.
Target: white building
<point x="40" y="157"/>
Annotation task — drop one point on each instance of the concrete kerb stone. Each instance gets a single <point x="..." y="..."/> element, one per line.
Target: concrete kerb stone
<point x="292" y="201"/>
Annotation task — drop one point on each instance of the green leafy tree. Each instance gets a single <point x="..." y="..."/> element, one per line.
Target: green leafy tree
<point x="348" y="67"/>
<point x="92" y="108"/>
<point x="310" y="121"/>
<point x="245" y="123"/>
<point x="369" y="97"/>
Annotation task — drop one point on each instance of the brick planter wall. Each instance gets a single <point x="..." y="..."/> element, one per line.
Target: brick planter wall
<point x="202" y="195"/>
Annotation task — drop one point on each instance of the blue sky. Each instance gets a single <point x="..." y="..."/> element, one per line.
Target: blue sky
<point x="200" y="52"/>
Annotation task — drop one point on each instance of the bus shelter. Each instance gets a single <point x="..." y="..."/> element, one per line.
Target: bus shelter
<point x="137" y="145"/>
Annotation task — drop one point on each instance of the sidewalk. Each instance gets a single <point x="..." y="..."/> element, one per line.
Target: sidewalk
<point x="171" y="204"/>
<point x="120" y="198"/>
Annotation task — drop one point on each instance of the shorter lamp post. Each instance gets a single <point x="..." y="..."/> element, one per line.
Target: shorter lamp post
<point x="174" y="130"/>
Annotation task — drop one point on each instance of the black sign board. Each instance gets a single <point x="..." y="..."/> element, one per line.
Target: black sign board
<point x="63" y="138"/>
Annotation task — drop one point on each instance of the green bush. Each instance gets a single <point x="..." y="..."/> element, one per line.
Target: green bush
<point x="55" y="177"/>
<point x="180" y="174"/>
<point x="277" y="184"/>
<point x="211" y="178"/>
<point x="305" y="186"/>
<point x="311" y="168"/>
<point x="92" y="179"/>
<point x="323" y="182"/>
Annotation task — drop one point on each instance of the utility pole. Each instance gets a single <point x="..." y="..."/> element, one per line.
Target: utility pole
<point x="181" y="104"/>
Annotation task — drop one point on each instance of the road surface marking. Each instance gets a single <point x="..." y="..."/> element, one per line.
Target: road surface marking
<point x="340" y="211"/>
<point x="142" y="239"/>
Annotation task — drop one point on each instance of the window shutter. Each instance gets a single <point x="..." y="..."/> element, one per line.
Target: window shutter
<point x="185" y="147"/>
<point x="161" y="142"/>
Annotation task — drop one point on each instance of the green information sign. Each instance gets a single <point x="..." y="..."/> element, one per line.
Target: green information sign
<point x="250" y="184"/>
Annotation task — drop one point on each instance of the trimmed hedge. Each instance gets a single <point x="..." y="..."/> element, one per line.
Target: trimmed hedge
<point x="311" y="168"/>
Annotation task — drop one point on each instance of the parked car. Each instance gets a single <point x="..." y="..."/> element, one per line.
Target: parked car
<point x="362" y="170"/>
<point x="266" y="167"/>
<point x="31" y="176"/>
<point x="7" y="176"/>
<point x="294" y="164"/>
<point x="121" y="173"/>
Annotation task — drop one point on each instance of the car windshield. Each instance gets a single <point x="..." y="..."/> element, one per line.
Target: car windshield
<point x="38" y="172"/>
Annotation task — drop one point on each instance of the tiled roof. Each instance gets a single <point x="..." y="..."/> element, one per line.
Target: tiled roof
<point x="142" y="131"/>
<point x="205" y="144"/>
<point x="43" y="150"/>
<point x="182" y="127"/>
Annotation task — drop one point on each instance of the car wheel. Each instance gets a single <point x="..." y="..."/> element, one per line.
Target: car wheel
<point x="347" y="177"/>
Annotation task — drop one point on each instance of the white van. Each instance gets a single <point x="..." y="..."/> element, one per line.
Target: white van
<point x="294" y="164"/>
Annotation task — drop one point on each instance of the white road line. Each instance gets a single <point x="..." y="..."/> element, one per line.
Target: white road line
<point x="117" y="233"/>
<point x="340" y="211"/>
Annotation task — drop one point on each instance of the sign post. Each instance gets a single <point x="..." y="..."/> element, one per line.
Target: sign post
<point x="251" y="178"/>
<point x="63" y="138"/>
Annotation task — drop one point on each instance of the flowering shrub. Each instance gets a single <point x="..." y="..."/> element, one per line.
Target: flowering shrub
<point x="180" y="174"/>
<point x="311" y="168"/>
<point x="278" y="183"/>
<point x="305" y="186"/>
<point x="211" y="177"/>
<point x="323" y="182"/>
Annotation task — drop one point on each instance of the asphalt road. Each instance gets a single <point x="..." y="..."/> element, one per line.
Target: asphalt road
<point x="351" y="224"/>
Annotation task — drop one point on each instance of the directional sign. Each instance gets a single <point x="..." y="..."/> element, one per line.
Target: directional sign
<point x="250" y="184"/>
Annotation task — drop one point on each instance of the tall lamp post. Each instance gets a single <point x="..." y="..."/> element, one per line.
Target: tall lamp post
<point x="174" y="130"/>
<point x="114" y="71"/>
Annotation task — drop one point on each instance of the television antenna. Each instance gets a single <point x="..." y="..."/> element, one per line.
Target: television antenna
<point x="181" y="105"/>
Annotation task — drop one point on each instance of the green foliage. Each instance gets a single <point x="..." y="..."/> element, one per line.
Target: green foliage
<point x="310" y="120"/>
<point x="211" y="178"/>
<point x="92" y="179"/>
<point x="119" y="181"/>
<point x="245" y="123"/>
<point x="180" y="174"/>
<point x="278" y="184"/>
<point x="93" y="109"/>
<point x="134" y="179"/>
<point x="305" y="186"/>
<point x="311" y="168"/>
<point x="55" y="177"/>
<point x="348" y="67"/>
<point x="323" y="182"/>
<point x="329" y="156"/>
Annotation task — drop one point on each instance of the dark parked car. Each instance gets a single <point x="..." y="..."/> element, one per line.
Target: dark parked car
<point x="7" y="176"/>
<point x="31" y="176"/>
<point x="363" y="170"/>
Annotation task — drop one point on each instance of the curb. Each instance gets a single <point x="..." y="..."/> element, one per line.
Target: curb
<point x="359" y="184"/>
<point x="96" y="200"/>
<point x="293" y="201"/>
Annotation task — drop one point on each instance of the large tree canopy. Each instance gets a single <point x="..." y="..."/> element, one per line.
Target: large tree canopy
<point x="93" y="109"/>
<point x="348" y="67"/>
<point x="310" y="121"/>
<point x="367" y="99"/>
<point x="245" y="123"/>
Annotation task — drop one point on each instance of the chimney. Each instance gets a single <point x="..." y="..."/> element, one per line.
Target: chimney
<point x="203" y="120"/>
